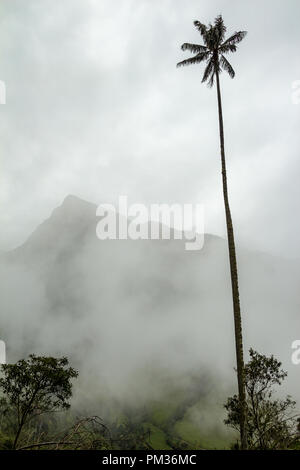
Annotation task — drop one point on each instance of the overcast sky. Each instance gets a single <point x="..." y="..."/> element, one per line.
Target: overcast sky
<point x="96" y="108"/>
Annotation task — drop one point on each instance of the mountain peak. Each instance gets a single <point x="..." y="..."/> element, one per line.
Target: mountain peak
<point x="70" y="197"/>
<point x="70" y="219"/>
<point x="73" y="208"/>
<point x="70" y="201"/>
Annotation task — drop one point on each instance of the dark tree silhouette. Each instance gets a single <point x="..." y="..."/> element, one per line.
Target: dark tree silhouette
<point x="271" y="422"/>
<point x="34" y="387"/>
<point x="213" y="53"/>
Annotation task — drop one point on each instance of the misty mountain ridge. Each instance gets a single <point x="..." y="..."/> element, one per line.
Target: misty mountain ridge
<point x="75" y="219"/>
<point x="120" y="307"/>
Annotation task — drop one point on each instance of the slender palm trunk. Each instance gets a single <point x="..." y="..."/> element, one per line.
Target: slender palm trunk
<point x="234" y="282"/>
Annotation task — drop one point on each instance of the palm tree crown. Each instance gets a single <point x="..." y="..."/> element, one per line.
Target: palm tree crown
<point x="214" y="49"/>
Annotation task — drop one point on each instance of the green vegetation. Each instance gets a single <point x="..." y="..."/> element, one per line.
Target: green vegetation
<point x="185" y="418"/>
<point x="272" y="422"/>
<point x="33" y="388"/>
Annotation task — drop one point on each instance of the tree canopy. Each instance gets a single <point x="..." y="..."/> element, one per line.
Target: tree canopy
<point x="213" y="50"/>
<point x="36" y="386"/>
<point x="271" y="422"/>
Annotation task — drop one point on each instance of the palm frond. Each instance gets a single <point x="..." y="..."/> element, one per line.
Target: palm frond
<point x="220" y="28"/>
<point x="211" y="81"/>
<point x="227" y="48"/>
<point x="213" y="49"/>
<point x="194" y="60"/>
<point x="235" y="38"/>
<point x="227" y="66"/>
<point x="193" y="47"/>
<point x="201" y="28"/>
<point x="209" y="70"/>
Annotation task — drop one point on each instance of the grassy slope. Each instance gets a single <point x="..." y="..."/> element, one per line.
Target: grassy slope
<point x="169" y="429"/>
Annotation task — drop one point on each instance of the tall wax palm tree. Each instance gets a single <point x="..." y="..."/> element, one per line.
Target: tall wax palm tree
<point x="213" y="53"/>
